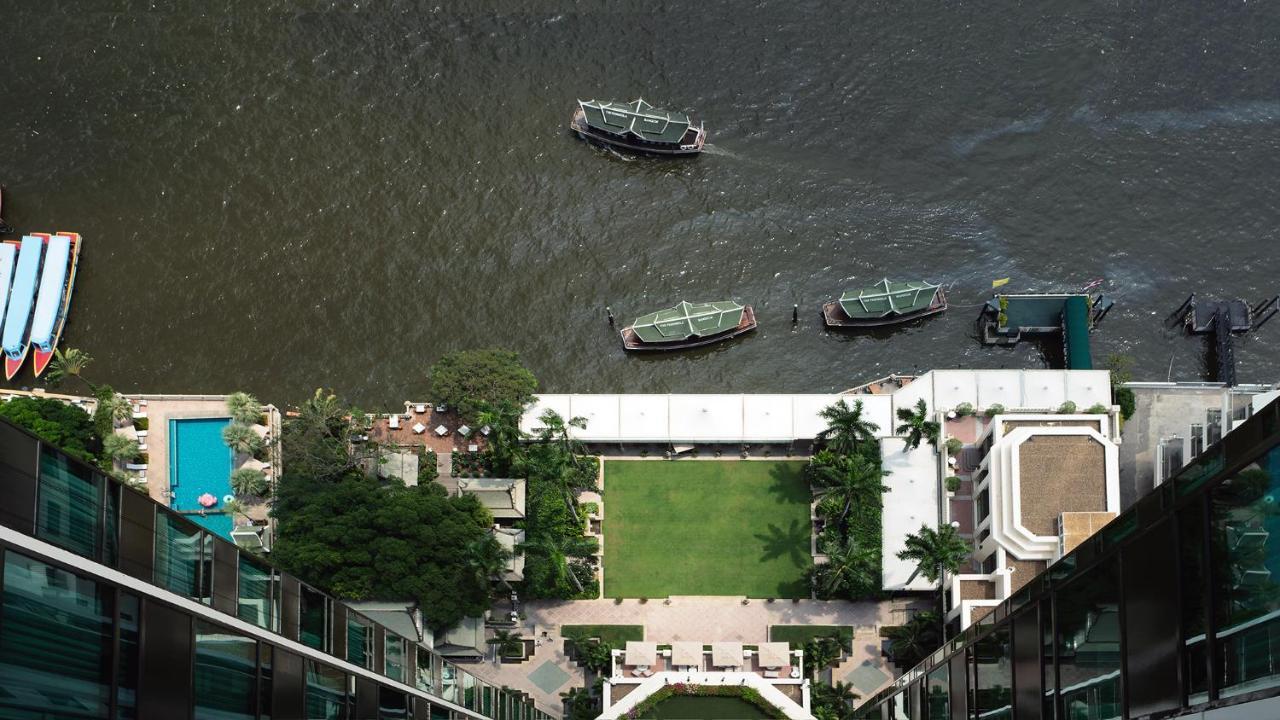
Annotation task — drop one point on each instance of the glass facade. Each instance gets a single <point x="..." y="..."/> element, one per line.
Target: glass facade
<point x="226" y="674"/>
<point x="74" y="644"/>
<point x="1173" y="607"/>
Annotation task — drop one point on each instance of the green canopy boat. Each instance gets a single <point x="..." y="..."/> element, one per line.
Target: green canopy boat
<point x="638" y="126"/>
<point x="688" y="325"/>
<point x="886" y="303"/>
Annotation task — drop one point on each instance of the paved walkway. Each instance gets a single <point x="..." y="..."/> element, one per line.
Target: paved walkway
<point x="706" y="619"/>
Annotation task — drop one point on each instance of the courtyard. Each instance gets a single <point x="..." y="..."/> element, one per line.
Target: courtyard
<point x="705" y="527"/>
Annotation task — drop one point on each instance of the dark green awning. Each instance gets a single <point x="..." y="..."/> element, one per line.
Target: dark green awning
<point x="1075" y="333"/>
<point x="638" y="118"/>
<point x="888" y="298"/>
<point x="688" y="320"/>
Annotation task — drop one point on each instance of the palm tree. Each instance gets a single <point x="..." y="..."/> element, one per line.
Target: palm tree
<point x="503" y="422"/>
<point x="117" y="407"/>
<point x="507" y="644"/>
<point x="119" y="447"/>
<point x="556" y="429"/>
<point x="853" y="480"/>
<point x="851" y="570"/>
<point x="837" y="698"/>
<point x="917" y="426"/>
<point x="249" y="482"/>
<point x="558" y="549"/>
<point x="235" y="507"/>
<point x="242" y="438"/>
<point x="912" y="642"/>
<point x="244" y="408"/>
<point x="68" y="363"/>
<point x="488" y="560"/>
<point x="934" y="551"/>
<point x="819" y="652"/>
<point x="846" y="429"/>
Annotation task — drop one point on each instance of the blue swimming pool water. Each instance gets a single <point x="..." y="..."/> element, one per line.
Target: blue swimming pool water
<point x="199" y="463"/>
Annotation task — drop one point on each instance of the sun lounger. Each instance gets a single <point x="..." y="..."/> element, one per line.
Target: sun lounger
<point x="771" y="673"/>
<point x="395" y="422"/>
<point x="141" y="433"/>
<point x="135" y="466"/>
<point x="419" y="409"/>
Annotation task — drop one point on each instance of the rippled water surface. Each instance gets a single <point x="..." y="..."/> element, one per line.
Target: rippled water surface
<point x="276" y="196"/>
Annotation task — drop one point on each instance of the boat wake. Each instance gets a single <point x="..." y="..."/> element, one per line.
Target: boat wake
<point x="710" y="149"/>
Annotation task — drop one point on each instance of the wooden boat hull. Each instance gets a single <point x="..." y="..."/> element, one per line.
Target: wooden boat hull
<point x="13" y="365"/>
<point x="579" y="125"/>
<point x="835" y="317"/>
<point x="631" y="341"/>
<point x="40" y="359"/>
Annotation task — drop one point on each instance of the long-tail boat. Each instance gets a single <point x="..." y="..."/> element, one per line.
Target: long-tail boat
<point x="60" y="262"/>
<point x="17" y="320"/>
<point x="888" y="302"/>
<point x="638" y="126"/>
<point x="688" y="325"/>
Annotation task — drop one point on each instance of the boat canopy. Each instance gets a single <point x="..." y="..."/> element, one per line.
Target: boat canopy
<point x="53" y="287"/>
<point x="17" y="319"/>
<point x="886" y="298"/>
<point x="688" y="320"/>
<point x="638" y="118"/>
<point x="8" y="253"/>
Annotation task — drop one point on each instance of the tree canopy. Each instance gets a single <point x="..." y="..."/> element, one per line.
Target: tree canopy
<point x="65" y="426"/>
<point x="471" y="381"/>
<point x="359" y="539"/>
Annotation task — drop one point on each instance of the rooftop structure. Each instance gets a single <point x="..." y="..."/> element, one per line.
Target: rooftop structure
<point x="1173" y="422"/>
<point x="511" y="539"/>
<point x="1224" y="319"/>
<point x="1044" y="484"/>
<point x="771" y="669"/>
<point x="504" y="497"/>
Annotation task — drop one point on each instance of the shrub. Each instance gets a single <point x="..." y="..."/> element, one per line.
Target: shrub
<point x="1067" y="408"/>
<point x="242" y="438"/>
<point x="994" y="410"/>
<point x="953" y="484"/>
<point x="1126" y="401"/>
<point x="427" y="471"/>
<point x="954" y="445"/>
<point x="964" y="409"/>
<point x="141" y="423"/>
<point x="244" y="408"/>
<point x="589" y="508"/>
<point x="1098" y="409"/>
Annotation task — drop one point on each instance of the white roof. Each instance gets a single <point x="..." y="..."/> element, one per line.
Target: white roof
<point x="911" y="503"/>
<point x="641" y="653"/>
<point x="775" y="654"/>
<point x="679" y="419"/>
<point x="686" y="653"/>
<point x="726" y="654"/>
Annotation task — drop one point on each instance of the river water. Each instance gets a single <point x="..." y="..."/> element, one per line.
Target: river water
<point x="277" y="196"/>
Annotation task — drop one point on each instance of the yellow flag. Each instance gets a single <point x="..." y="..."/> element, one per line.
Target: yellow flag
<point x="998" y="283"/>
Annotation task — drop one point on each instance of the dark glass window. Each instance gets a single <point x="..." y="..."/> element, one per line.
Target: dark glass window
<point x="177" y="563"/>
<point x="426" y="671"/>
<point x="256" y="596"/>
<point x="326" y="692"/>
<point x="470" y="698"/>
<point x="127" y="671"/>
<point x="359" y="641"/>
<point x="265" y="659"/>
<point x="313" y="618"/>
<point x="1088" y="643"/>
<point x="55" y="642"/>
<point x="226" y="674"/>
<point x="937" y="693"/>
<point x="394" y="664"/>
<point x="1245" y="547"/>
<point x="1191" y="549"/>
<point x="439" y="712"/>
<point x="70" y="505"/>
<point x="392" y="705"/>
<point x="111" y="524"/>
<point x="449" y="682"/>
<point x="993" y="696"/>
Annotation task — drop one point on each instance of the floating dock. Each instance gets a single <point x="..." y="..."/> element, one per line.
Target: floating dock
<point x="1009" y="319"/>
<point x="1224" y="319"/>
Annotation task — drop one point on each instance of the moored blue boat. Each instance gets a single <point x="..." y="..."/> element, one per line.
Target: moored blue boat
<point x="8" y="256"/>
<point x="56" y="284"/>
<point x="17" y="320"/>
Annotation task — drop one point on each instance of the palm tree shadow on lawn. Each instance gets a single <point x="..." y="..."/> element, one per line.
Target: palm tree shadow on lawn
<point x="793" y="543"/>
<point x="788" y="486"/>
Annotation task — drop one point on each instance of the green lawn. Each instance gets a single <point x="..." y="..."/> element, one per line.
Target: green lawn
<point x="615" y="635"/>
<point x="798" y="635"/>
<point x="696" y="527"/>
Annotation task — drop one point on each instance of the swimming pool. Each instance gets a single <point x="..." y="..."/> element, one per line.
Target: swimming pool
<point x="199" y="463"/>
